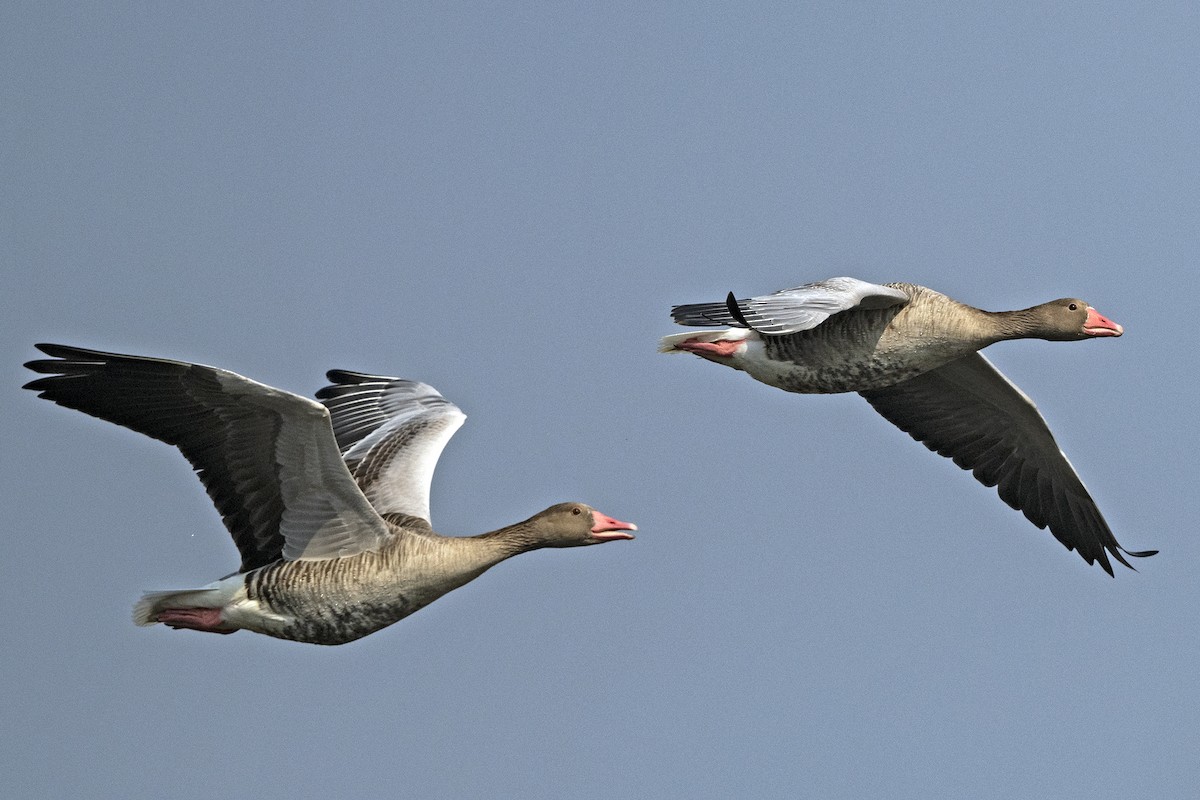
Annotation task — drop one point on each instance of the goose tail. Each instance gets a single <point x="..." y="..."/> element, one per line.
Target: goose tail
<point x="152" y="604"/>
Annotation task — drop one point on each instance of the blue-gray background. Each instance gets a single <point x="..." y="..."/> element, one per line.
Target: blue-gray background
<point x="503" y="200"/>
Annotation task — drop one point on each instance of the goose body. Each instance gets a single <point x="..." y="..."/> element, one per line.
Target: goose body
<point x="327" y="502"/>
<point x="913" y="353"/>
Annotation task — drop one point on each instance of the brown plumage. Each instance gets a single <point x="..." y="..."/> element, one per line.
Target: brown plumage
<point x="913" y="354"/>
<point x="327" y="504"/>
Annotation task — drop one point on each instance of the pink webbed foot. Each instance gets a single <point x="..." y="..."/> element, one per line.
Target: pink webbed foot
<point x="720" y="349"/>
<point x="196" y="619"/>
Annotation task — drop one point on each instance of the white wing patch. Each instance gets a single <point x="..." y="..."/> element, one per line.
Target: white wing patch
<point x="806" y="307"/>
<point x="392" y="432"/>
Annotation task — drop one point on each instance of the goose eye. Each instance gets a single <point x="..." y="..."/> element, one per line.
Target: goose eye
<point x="1073" y="306"/>
<point x="577" y="511"/>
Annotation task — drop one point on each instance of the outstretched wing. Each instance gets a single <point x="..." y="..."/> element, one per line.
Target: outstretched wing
<point x="267" y="457"/>
<point x="791" y="310"/>
<point x="391" y="433"/>
<point x="969" y="412"/>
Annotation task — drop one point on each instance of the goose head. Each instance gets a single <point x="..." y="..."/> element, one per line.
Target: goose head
<point x="575" y="525"/>
<point x="1068" y="319"/>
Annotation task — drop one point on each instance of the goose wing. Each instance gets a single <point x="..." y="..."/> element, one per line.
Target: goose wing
<point x="969" y="412"/>
<point x="391" y="433"/>
<point x="267" y="457"/>
<point x="791" y="310"/>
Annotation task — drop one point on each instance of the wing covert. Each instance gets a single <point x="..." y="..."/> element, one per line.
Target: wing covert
<point x="391" y="432"/>
<point x="791" y="310"/>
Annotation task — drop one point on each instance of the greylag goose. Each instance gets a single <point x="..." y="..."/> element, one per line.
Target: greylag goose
<point x="913" y="354"/>
<point x="328" y="503"/>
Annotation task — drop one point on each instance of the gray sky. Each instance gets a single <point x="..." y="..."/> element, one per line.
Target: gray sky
<point x="504" y="201"/>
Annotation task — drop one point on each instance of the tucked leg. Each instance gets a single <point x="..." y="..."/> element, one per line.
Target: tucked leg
<point x="196" y="619"/>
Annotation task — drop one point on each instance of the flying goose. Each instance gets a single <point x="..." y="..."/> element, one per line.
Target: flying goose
<point x="913" y="354"/>
<point x="327" y="502"/>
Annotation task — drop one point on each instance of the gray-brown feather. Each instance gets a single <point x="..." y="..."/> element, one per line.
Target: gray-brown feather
<point x="860" y="349"/>
<point x="336" y="601"/>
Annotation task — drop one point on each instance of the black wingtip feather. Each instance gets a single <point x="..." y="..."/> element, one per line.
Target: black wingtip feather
<point x="345" y="376"/>
<point x="56" y="350"/>
<point x="732" y="304"/>
<point x="66" y="351"/>
<point x="64" y="364"/>
<point x="1139" y="553"/>
<point x="40" y="384"/>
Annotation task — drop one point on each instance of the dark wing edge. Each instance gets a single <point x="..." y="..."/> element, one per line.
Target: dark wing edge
<point x="1014" y="452"/>
<point x="231" y="430"/>
<point x="182" y="405"/>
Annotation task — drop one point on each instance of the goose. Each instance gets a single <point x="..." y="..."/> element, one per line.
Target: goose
<point x="327" y="502"/>
<point x="913" y="353"/>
